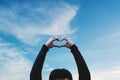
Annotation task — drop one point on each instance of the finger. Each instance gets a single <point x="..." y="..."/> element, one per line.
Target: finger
<point x="56" y="46"/>
<point x="55" y="38"/>
<point x="63" y="45"/>
<point x="64" y="38"/>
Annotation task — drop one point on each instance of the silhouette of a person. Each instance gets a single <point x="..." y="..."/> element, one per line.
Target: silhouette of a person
<point x="60" y="74"/>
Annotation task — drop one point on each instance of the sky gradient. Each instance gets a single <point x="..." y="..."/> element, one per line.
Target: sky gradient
<point x="93" y="25"/>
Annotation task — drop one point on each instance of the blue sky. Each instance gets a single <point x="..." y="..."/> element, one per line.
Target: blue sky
<point x="93" y="25"/>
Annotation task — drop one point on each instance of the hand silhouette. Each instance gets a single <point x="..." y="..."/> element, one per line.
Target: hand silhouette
<point x="50" y="43"/>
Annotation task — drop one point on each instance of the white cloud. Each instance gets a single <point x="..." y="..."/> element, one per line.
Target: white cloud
<point x="37" y="21"/>
<point x="111" y="74"/>
<point x="13" y="64"/>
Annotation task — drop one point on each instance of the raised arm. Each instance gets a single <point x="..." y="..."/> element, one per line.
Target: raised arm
<point x="83" y="71"/>
<point x="36" y="72"/>
<point x="38" y="64"/>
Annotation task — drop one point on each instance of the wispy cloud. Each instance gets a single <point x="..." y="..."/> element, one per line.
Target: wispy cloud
<point x="28" y="22"/>
<point x="13" y="63"/>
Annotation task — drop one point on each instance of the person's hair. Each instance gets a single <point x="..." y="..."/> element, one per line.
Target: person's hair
<point x="60" y="74"/>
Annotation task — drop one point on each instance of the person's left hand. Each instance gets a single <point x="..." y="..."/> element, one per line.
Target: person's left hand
<point x="50" y="41"/>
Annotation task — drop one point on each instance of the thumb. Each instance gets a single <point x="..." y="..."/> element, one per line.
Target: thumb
<point x="56" y="46"/>
<point x="63" y="45"/>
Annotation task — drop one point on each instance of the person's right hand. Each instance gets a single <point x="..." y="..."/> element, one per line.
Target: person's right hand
<point x="68" y="44"/>
<point x="50" y="41"/>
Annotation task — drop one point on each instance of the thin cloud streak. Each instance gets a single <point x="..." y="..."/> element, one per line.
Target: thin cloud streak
<point x="28" y="29"/>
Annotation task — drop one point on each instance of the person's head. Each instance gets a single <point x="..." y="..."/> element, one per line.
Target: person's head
<point x="60" y="74"/>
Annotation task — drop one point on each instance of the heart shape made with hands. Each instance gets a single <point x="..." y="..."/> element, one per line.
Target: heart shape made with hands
<point x="59" y="42"/>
